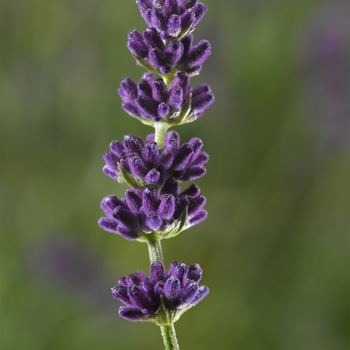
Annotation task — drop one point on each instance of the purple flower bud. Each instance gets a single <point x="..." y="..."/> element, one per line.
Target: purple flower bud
<point x="159" y="91"/>
<point x="133" y="200"/>
<point x="157" y="273"/>
<point x="180" y="271"/>
<point x="131" y="313"/>
<point x="174" y="52"/>
<point x="193" y="191"/>
<point x="174" y="25"/>
<point x="195" y="272"/>
<point x="189" y="294"/>
<point x="196" y="205"/>
<point x="163" y="110"/>
<point x="201" y="216"/>
<point x="121" y="294"/>
<point x="150" y="201"/>
<point x="133" y="144"/>
<point x="125" y="217"/>
<point x="172" y="288"/>
<point x="154" y="221"/>
<point x="128" y="90"/>
<point x="167" y="207"/>
<point x="108" y="204"/>
<point x="153" y="39"/>
<point x="199" y="10"/>
<point x="137" y="45"/>
<point x="153" y="177"/>
<point x="159" y="19"/>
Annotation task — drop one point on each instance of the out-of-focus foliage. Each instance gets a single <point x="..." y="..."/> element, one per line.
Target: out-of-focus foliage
<point x="274" y="248"/>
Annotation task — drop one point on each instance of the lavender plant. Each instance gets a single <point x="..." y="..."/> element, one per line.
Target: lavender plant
<point x="155" y="208"/>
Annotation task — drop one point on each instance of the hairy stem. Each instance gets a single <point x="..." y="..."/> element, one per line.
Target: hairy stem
<point x="169" y="337"/>
<point x="159" y="135"/>
<point x="155" y="249"/>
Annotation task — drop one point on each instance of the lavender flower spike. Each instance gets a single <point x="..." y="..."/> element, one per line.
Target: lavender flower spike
<point x="155" y="208"/>
<point x="164" y="296"/>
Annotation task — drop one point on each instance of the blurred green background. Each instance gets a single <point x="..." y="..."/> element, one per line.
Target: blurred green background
<point x="274" y="248"/>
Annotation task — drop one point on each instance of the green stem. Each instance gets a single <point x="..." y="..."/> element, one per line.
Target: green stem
<point x="169" y="337"/>
<point x="154" y="249"/>
<point x="160" y="131"/>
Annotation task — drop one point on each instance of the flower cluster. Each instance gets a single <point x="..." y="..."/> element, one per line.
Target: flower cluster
<point x="145" y="211"/>
<point x="154" y="207"/>
<point x="141" y="164"/>
<point x="152" y="101"/>
<point x="172" y="18"/>
<point x="163" y="296"/>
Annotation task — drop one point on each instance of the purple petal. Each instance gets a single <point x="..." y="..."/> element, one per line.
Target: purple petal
<point x="144" y="88"/>
<point x="157" y="273"/>
<point x="137" y="166"/>
<point x="121" y="293"/>
<point x="174" y="25"/>
<point x="109" y="203"/>
<point x="117" y="148"/>
<point x="202" y="293"/>
<point x="125" y="217"/>
<point x="133" y="200"/>
<point x="163" y="110"/>
<point x="136" y="44"/>
<point x="172" y="288"/>
<point x="109" y="225"/>
<point x="172" y="6"/>
<point x="189" y="294"/>
<point x="202" y="215"/>
<point x="167" y="207"/>
<point x="199" y="9"/>
<point x="174" y="52"/>
<point x="131" y="313"/>
<point x="199" y="160"/>
<point x="147" y="106"/>
<point x="127" y="233"/>
<point x="193" y="174"/>
<point x="153" y="39"/>
<point x="131" y="109"/>
<point x="159" y="91"/>
<point x="195" y="273"/>
<point x="171" y="186"/>
<point x="180" y="271"/>
<point x="196" y="205"/>
<point x="133" y="144"/>
<point x="198" y="53"/>
<point x="182" y="157"/>
<point x="150" y="201"/>
<point x="152" y="177"/>
<point x="193" y="190"/>
<point x="128" y="90"/>
<point x="201" y="89"/>
<point x="154" y="221"/>
<point x="201" y="102"/>
<point x="139" y="297"/>
<point x="159" y="20"/>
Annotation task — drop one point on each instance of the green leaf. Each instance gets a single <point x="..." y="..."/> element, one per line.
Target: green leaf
<point x="130" y="179"/>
